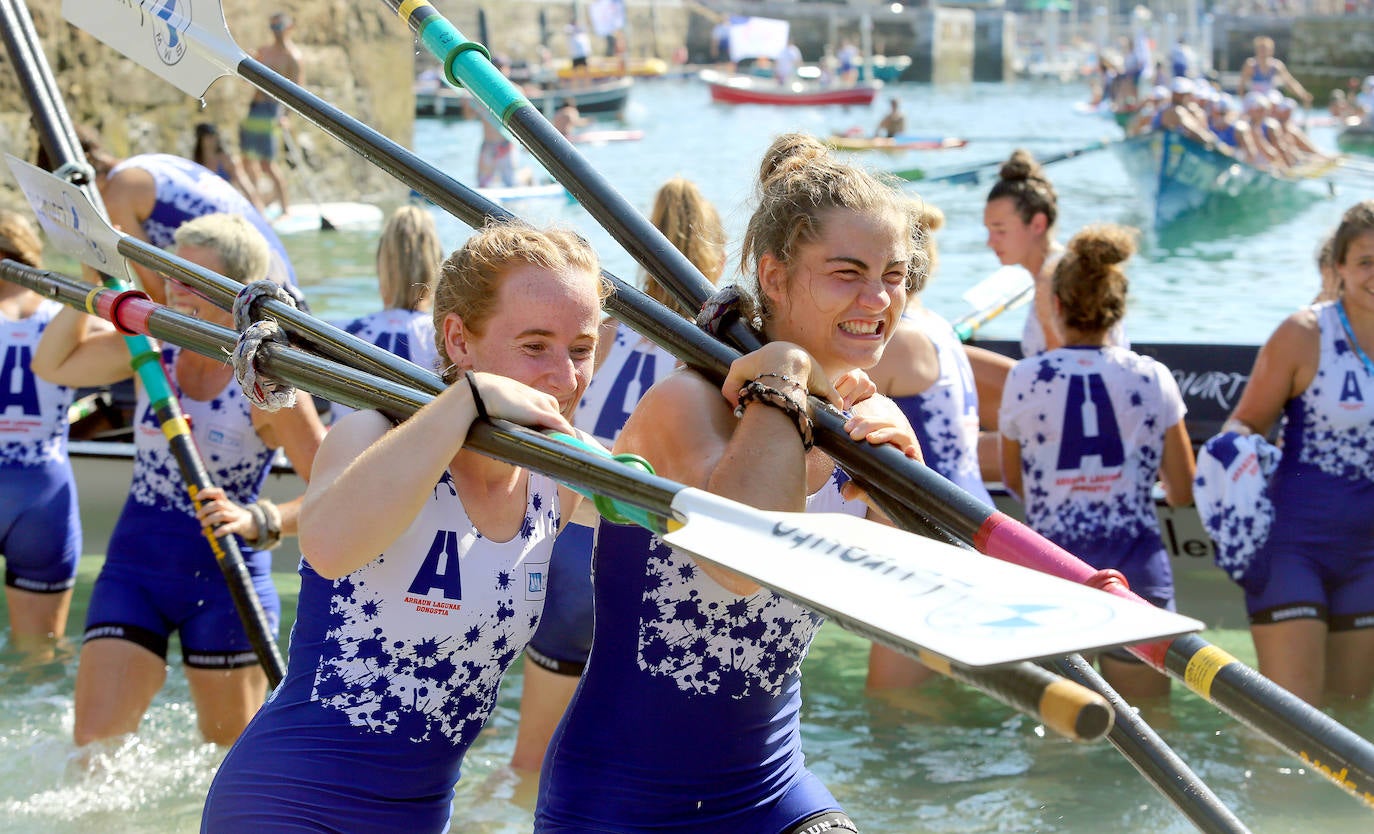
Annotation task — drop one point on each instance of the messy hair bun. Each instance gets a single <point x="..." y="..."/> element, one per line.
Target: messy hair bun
<point x="1089" y="281"/>
<point x="1022" y="181"/>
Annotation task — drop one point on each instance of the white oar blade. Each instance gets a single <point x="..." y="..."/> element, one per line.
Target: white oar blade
<point x="69" y="220"/>
<point x="912" y="592"/>
<point x="185" y="46"/>
<point x="1006" y="282"/>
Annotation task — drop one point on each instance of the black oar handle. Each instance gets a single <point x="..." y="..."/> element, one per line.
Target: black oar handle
<point x="1069" y="709"/>
<point x="1154" y="759"/>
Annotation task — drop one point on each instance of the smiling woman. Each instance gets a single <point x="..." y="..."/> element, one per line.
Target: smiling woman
<point x="687" y="715"/>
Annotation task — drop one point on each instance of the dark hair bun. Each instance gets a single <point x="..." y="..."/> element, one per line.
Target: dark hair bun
<point x="1021" y="166"/>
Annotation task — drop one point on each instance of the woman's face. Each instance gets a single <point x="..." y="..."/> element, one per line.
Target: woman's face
<point x="542" y="332"/>
<point x="187" y="301"/>
<point x="1356" y="272"/>
<point x="844" y="292"/>
<point x="1009" y="237"/>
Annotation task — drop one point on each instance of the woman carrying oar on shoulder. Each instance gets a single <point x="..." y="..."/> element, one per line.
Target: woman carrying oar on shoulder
<point x="686" y="719"/>
<point x="411" y="610"/>
<point x="927" y="372"/>
<point x="1312" y="619"/>
<point x="1088" y="428"/>
<point x="40" y="527"/>
<point x="160" y="574"/>
<point x="627" y="365"/>
<point x="1021" y="211"/>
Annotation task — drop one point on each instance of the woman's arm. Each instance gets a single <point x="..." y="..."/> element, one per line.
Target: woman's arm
<point x="363" y="463"/>
<point x="78" y="350"/>
<point x="989" y="377"/>
<point x="1177" y="467"/>
<point x="130" y="196"/>
<point x="1283" y="369"/>
<point x="1011" y="466"/>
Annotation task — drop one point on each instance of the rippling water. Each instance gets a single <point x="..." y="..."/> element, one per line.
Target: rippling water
<point x="946" y="760"/>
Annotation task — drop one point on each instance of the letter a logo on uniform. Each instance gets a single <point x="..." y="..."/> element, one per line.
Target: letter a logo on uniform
<point x="17" y="387"/>
<point x="1350" y="388"/>
<point x="441" y="568"/>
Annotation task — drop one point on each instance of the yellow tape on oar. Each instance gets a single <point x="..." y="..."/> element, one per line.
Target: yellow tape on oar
<point x="408" y="7"/>
<point x="176" y="427"/>
<point x="90" y="299"/>
<point x="934" y="661"/>
<point x="1203" y="667"/>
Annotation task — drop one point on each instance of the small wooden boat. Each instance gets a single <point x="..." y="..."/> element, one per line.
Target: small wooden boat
<point x="902" y="142"/>
<point x="435" y="98"/>
<point x="1178" y="177"/>
<point x="744" y="89"/>
<point x="600" y="67"/>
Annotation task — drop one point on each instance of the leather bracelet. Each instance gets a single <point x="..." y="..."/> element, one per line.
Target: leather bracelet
<point x="259" y="522"/>
<point x="476" y="396"/>
<point x="754" y="391"/>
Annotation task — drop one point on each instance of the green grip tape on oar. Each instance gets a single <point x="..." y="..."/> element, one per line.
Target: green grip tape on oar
<point x="461" y="69"/>
<point x="617" y="512"/>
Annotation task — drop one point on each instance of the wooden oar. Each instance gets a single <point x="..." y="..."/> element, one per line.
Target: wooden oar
<point x="58" y="138"/>
<point x="973" y="174"/>
<point x="903" y="590"/>
<point x="212" y="54"/>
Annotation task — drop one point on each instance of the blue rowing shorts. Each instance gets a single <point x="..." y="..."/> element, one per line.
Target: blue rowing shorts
<point x="40" y="527"/>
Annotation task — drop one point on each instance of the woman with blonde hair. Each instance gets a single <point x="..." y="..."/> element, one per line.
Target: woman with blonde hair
<point x="1087" y="430"/>
<point x="40" y="527"/>
<point x="627" y="366"/>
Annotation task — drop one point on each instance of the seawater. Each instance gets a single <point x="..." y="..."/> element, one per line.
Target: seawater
<point x="946" y="759"/>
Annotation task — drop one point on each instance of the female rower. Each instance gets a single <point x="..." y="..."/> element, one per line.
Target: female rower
<point x="40" y="527"/>
<point x="1088" y="428"/>
<point x="928" y="374"/>
<point x="686" y="718"/>
<point x="408" y="258"/>
<point x="160" y="574"/>
<point x="627" y="365"/>
<point x="1311" y="621"/>
<point x="396" y="658"/>
<point x="1020" y="215"/>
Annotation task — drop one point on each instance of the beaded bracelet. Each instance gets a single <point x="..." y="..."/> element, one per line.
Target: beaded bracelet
<point x="754" y="391"/>
<point x="476" y="396"/>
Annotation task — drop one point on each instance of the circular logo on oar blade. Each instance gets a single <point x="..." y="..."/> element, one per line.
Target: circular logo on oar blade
<point x="1017" y="617"/>
<point x="171" y="19"/>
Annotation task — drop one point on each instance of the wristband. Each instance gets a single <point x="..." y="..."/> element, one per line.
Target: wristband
<point x="754" y="391"/>
<point x="476" y="396"/>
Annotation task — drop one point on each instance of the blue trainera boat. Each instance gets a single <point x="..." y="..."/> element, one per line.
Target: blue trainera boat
<point x="1179" y="177"/>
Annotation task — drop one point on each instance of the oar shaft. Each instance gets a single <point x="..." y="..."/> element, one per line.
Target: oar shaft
<point x="1070" y="710"/>
<point x="58" y="137"/>
<point x="1154" y="759"/>
<point x="965" y="327"/>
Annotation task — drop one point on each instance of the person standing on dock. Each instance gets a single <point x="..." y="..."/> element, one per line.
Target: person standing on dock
<point x="260" y="131"/>
<point x="1087" y="430"/>
<point x="1311" y="601"/>
<point x="160" y="575"/>
<point x="40" y="526"/>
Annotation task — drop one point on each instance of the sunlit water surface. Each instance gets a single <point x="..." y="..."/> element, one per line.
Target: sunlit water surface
<point x="947" y="760"/>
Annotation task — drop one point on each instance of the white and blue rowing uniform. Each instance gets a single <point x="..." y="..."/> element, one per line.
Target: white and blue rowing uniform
<point x="40" y="527"/>
<point x="1262" y="81"/>
<point x="160" y="574"/>
<point x="187" y="190"/>
<point x="686" y="719"/>
<point x="1033" y="335"/>
<point x="1320" y="550"/>
<point x="633" y="365"/>
<point x="409" y="334"/>
<point x="393" y="671"/>
<point x="1091" y="422"/>
<point x="945" y="415"/>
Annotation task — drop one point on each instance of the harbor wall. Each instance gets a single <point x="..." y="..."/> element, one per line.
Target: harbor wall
<point x="357" y="56"/>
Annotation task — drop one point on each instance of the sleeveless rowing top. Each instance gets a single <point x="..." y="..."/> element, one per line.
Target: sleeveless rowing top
<point x="1091" y="425"/>
<point x="1033" y="335"/>
<point x="1323" y="489"/>
<point x="393" y="671"/>
<point x="686" y="717"/>
<point x="633" y="365"/>
<point x="33" y="411"/>
<point x="945" y="415"/>
<point x="1261" y="81"/>
<point x="1228" y="135"/>
<point x="408" y="334"/>
<point x="186" y="190"/>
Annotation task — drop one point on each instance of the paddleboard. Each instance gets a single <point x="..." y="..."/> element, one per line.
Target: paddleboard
<point x="598" y="137"/>
<point x="305" y="217"/>
<point x="543" y="191"/>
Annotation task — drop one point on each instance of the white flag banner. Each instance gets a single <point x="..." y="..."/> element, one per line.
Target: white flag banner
<point x="757" y="37"/>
